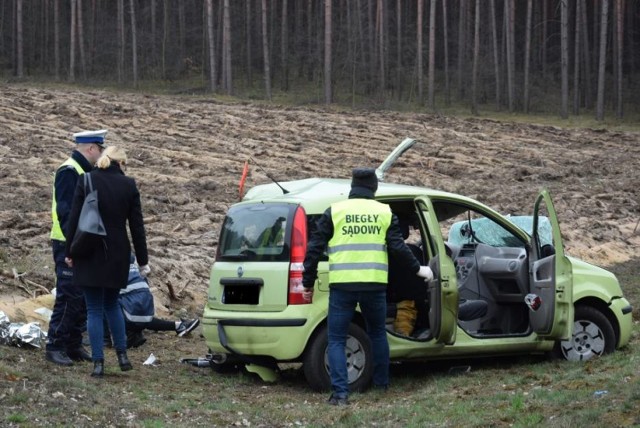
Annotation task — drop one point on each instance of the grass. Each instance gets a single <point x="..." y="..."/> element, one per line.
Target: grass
<point x="498" y="392"/>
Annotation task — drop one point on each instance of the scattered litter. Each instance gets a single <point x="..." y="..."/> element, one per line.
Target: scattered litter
<point x="600" y="393"/>
<point x="45" y="312"/>
<point x="19" y="334"/>
<point x="150" y="361"/>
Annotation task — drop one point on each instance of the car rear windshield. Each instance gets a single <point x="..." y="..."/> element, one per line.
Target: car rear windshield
<point x="256" y="232"/>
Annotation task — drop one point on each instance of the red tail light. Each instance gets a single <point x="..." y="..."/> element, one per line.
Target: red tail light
<point x="298" y="251"/>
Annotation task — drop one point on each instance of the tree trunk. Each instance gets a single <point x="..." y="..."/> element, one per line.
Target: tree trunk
<point x="509" y="14"/>
<point x="134" y="42"/>
<point x="380" y="42"/>
<point x="56" y="38"/>
<point x="284" y="48"/>
<point x="462" y="36"/>
<point x="420" y="52"/>
<point x="496" y="52"/>
<point x="19" y="41"/>
<point x="182" y="38"/>
<point x="564" y="57"/>
<point x="602" y="60"/>
<point x="120" y="30"/>
<point x="576" y="60"/>
<point x="165" y="37"/>
<point x="527" y="55"/>
<point x="265" y="51"/>
<point x="72" y="41"/>
<point x="432" y="56"/>
<point x="154" y="34"/>
<point x="327" y="51"/>
<point x="586" y="56"/>
<point x="619" y="11"/>
<point x="399" y="70"/>
<point x="248" y="28"/>
<point x="476" y="55"/>
<point x="545" y="32"/>
<point x="80" y="27"/>
<point x="226" y="50"/>
<point x="211" y="47"/>
<point x="445" y="40"/>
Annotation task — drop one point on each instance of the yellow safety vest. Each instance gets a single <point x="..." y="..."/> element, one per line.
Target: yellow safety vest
<point x="357" y="250"/>
<point x="56" y="229"/>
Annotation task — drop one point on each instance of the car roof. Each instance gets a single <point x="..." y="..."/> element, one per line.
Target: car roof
<point x="316" y="194"/>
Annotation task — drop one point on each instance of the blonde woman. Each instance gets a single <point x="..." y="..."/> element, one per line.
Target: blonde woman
<point x="102" y="272"/>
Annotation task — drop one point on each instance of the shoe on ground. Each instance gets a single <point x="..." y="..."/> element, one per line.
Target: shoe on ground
<point x="135" y="339"/>
<point x="58" y="357"/>
<point x="338" y="401"/>
<point x="186" y="327"/>
<point x="79" y="354"/>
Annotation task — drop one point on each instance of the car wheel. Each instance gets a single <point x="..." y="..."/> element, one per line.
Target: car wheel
<point x="592" y="336"/>
<point x="225" y="364"/>
<point x="359" y="360"/>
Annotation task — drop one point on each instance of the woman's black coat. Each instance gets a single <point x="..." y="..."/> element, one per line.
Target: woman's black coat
<point x="119" y="202"/>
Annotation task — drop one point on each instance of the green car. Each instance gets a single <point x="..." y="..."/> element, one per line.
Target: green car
<point x="537" y="299"/>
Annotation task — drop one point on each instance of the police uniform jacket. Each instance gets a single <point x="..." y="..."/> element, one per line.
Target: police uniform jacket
<point x="323" y="233"/>
<point x="65" y="183"/>
<point x="119" y="202"/>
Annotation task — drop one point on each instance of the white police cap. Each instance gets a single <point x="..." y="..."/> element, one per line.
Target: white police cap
<point x="96" y="137"/>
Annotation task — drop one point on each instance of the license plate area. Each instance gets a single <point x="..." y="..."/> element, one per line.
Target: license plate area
<point x="241" y="291"/>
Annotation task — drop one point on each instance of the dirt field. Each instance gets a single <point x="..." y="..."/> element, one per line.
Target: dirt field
<point x="187" y="156"/>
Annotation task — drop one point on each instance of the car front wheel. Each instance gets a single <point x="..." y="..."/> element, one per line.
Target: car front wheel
<point x="592" y="336"/>
<point x="359" y="360"/>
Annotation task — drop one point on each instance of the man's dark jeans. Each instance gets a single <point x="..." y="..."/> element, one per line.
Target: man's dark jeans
<point x="342" y="305"/>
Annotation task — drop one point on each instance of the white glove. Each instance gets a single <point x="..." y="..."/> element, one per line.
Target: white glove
<point x="145" y="270"/>
<point x="426" y="273"/>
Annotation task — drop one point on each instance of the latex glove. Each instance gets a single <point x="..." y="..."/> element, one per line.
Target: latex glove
<point x="307" y="294"/>
<point x="426" y="273"/>
<point x="68" y="261"/>
<point x="145" y="270"/>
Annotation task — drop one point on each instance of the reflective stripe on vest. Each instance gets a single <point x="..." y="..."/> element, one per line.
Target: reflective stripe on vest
<point x="56" y="229"/>
<point x="357" y="250"/>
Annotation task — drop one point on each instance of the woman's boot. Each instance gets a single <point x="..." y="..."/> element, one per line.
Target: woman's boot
<point x="98" y="368"/>
<point x="123" y="360"/>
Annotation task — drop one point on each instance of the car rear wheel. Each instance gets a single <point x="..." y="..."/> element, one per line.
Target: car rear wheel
<point x="592" y="336"/>
<point x="359" y="360"/>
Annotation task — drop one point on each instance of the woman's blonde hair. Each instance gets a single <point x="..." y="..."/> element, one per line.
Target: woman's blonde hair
<point x="111" y="153"/>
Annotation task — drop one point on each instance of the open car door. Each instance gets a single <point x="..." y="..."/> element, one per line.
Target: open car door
<point x="443" y="289"/>
<point x="550" y="277"/>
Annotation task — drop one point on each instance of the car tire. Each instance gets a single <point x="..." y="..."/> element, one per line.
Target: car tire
<point x="592" y="336"/>
<point x="229" y="365"/>
<point x="359" y="360"/>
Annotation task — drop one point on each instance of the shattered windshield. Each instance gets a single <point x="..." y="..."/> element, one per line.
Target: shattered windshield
<point x="491" y="233"/>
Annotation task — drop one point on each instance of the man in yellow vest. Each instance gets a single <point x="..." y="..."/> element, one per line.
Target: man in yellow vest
<point x="64" y="339"/>
<point x="357" y="233"/>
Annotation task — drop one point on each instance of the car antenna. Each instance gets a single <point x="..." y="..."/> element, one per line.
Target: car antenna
<point x="284" y="191"/>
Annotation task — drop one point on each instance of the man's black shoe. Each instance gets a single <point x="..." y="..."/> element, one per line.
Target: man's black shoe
<point x="58" y="357"/>
<point x="338" y="401"/>
<point x="79" y="354"/>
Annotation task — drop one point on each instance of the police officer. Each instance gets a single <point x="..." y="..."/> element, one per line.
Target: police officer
<point x="64" y="339"/>
<point x="358" y="232"/>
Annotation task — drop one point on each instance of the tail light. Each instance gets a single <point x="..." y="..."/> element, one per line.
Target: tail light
<point x="298" y="251"/>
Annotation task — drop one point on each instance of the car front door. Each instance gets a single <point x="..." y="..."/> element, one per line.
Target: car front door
<point x="443" y="290"/>
<point x="551" y="298"/>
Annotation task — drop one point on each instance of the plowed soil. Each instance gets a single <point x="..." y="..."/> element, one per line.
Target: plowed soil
<point x="187" y="154"/>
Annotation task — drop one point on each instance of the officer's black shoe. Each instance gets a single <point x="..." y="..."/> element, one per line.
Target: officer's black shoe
<point x="58" y="357"/>
<point x="79" y="354"/>
<point x="123" y="361"/>
<point x="98" y="368"/>
<point x="338" y="401"/>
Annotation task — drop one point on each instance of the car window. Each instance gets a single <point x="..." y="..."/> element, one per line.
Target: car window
<point x="471" y="226"/>
<point x="255" y="232"/>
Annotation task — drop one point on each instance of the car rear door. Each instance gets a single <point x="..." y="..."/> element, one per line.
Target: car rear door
<point x="443" y="290"/>
<point x="550" y="277"/>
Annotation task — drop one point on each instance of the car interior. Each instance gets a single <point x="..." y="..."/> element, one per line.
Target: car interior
<point x="492" y="274"/>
